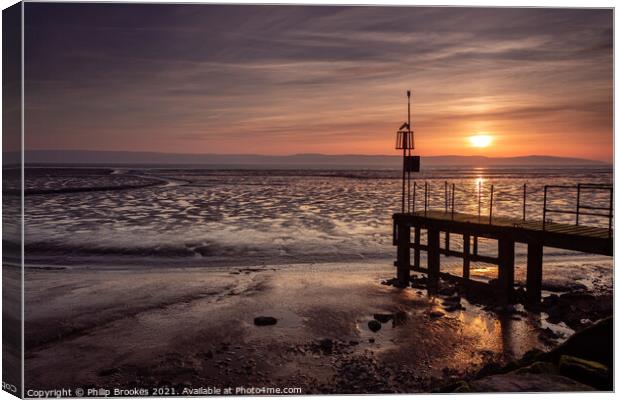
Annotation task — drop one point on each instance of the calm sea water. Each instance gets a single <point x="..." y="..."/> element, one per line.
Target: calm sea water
<point x="192" y="217"/>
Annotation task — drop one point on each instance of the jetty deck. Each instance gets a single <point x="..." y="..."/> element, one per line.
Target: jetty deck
<point x="536" y="234"/>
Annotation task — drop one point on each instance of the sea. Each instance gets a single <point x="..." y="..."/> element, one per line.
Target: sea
<point x="111" y="217"/>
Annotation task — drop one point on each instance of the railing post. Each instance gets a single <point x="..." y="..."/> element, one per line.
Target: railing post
<point x="491" y="207"/>
<point x="425" y="197"/>
<point x="578" y="199"/>
<point x="545" y="208"/>
<point x="479" y="199"/>
<point x="453" y="202"/>
<point x="446" y="195"/>
<point x="524" y="196"/>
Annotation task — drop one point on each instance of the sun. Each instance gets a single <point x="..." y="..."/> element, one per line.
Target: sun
<point x="480" y="140"/>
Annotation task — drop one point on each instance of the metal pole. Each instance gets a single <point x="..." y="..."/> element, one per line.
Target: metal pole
<point x="425" y="197"/>
<point x="578" y="200"/>
<point x="524" y="196"/>
<point x="479" y="199"/>
<point x="491" y="207"/>
<point x="409" y="110"/>
<point x="445" y="188"/>
<point x="404" y="161"/>
<point x="406" y="176"/>
<point x="408" y="191"/>
<point x="453" y="201"/>
<point x="545" y="208"/>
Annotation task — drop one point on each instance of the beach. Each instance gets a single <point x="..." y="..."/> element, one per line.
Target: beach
<point x="155" y="278"/>
<point x="192" y="328"/>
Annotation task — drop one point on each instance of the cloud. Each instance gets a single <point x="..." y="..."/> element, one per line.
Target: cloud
<point x="155" y="77"/>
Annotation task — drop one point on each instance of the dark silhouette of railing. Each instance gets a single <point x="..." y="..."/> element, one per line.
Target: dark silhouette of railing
<point x="608" y="211"/>
<point x="590" y="210"/>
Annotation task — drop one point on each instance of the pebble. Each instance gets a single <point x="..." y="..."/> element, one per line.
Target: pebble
<point x="263" y="321"/>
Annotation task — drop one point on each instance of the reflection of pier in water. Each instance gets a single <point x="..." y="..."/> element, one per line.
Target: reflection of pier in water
<point x="536" y="234"/>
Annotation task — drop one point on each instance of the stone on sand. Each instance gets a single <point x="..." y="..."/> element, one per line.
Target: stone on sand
<point x="263" y="321"/>
<point x="374" y="325"/>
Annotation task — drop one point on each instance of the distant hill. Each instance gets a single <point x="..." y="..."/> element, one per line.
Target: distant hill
<point x="127" y="158"/>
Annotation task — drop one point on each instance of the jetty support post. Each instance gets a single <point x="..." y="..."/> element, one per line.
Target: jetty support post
<point x="475" y="245"/>
<point x="403" y="252"/>
<point x="534" y="273"/>
<point x="416" y="249"/>
<point x="466" y="256"/>
<point x="506" y="274"/>
<point x="433" y="258"/>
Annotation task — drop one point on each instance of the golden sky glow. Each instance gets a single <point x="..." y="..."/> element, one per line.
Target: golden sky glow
<point x="293" y="79"/>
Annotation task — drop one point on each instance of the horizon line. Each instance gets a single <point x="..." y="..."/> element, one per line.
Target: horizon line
<point x="315" y="154"/>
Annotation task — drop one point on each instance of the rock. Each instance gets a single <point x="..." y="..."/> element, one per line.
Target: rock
<point x="555" y="285"/>
<point x="454" y="387"/>
<point x="371" y="340"/>
<point x="588" y="372"/>
<point x="263" y="321"/>
<point x="436" y="314"/>
<point x="592" y="343"/>
<point x="460" y="387"/>
<point x="400" y="317"/>
<point x="454" y="307"/>
<point x="489" y="368"/>
<point x="527" y="383"/>
<point x="446" y="290"/>
<point x="374" y="325"/>
<point x="419" y="283"/>
<point x="383" y="318"/>
<point x="532" y="355"/>
<point x="327" y="345"/>
<point x="537" y="367"/>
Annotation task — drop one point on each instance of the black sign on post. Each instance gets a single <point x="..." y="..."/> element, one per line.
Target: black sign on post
<point x="412" y="163"/>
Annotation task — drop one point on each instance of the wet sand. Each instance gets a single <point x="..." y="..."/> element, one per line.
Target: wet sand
<point x="191" y="328"/>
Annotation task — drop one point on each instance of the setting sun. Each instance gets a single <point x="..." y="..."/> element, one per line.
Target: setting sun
<point x="480" y="140"/>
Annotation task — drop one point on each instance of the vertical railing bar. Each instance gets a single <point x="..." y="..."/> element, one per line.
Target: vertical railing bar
<point x="453" y="202"/>
<point x="524" y="197"/>
<point x="445" y="187"/>
<point x="479" y="199"/>
<point x="545" y="208"/>
<point x="578" y="200"/>
<point x="425" y="197"/>
<point x="491" y="208"/>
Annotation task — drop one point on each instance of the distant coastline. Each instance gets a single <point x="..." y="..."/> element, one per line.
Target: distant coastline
<point x="313" y="161"/>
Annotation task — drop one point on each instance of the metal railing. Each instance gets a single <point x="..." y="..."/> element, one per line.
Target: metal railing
<point x="608" y="211"/>
<point x="581" y="209"/>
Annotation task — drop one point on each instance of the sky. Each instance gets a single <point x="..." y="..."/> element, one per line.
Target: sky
<point x="313" y="79"/>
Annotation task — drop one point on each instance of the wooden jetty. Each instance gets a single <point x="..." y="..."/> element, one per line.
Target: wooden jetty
<point x="536" y="234"/>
